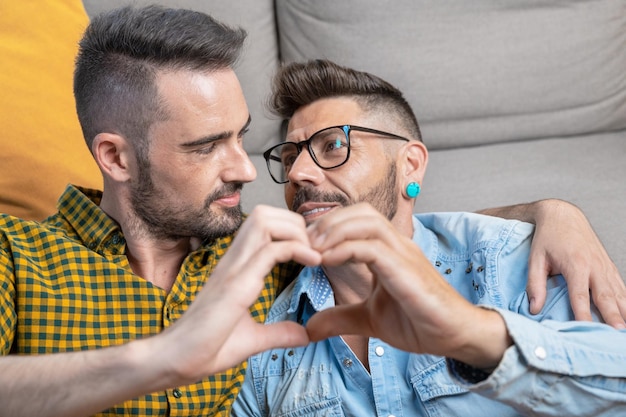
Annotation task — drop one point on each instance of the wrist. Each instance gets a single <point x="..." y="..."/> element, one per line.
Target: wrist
<point x="144" y="366"/>
<point x="485" y="342"/>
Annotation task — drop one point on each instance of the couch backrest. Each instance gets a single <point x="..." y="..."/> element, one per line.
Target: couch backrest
<point x="479" y="71"/>
<point x="476" y="72"/>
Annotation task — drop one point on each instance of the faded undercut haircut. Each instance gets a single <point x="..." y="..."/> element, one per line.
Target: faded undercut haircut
<point x="120" y="55"/>
<point x="298" y="84"/>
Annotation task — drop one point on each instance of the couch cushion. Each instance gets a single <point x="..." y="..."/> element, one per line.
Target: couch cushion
<point x="41" y="141"/>
<point x="478" y="72"/>
<point x="588" y="172"/>
<point x="258" y="61"/>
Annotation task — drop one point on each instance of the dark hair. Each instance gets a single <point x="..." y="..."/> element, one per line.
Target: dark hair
<point x="120" y="54"/>
<point x="298" y="84"/>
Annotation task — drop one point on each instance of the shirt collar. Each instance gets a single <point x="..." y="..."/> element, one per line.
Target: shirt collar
<point x="425" y="239"/>
<point x="312" y="286"/>
<point x="80" y="208"/>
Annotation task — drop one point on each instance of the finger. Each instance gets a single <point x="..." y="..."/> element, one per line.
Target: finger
<point x="538" y="271"/>
<point x="622" y="308"/>
<point x="384" y="259"/>
<point x="403" y="271"/>
<point x="610" y="303"/>
<point x="271" y="223"/>
<point x="389" y="265"/>
<point x="283" y="334"/>
<point x="578" y="285"/>
<point x="235" y="290"/>
<point x="366" y="251"/>
<point x="239" y="346"/>
<point x="620" y="292"/>
<point x="360" y="221"/>
<point x="609" y="309"/>
<point x="267" y="224"/>
<point x="340" y="320"/>
<point x="580" y="298"/>
<point x="245" y="281"/>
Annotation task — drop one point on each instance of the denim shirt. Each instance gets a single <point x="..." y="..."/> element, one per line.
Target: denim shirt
<point x="556" y="367"/>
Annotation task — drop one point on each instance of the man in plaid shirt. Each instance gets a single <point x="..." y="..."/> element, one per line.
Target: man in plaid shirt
<point x="164" y="116"/>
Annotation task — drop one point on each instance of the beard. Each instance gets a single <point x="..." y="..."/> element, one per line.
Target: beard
<point x="166" y="218"/>
<point x="382" y="196"/>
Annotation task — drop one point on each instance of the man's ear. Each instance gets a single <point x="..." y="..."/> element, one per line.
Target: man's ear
<point x="414" y="161"/>
<point x="113" y="155"/>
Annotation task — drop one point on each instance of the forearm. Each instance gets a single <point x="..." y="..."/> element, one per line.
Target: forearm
<point x="529" y="212"/>
<point x="75" y="383"/>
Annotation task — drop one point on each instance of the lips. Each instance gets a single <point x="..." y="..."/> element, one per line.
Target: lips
<point x="316" y="210"/>
<point x="229" y="199"/>
<point x="312" y="203"/>
<point x="313" y="210"/>
<point x="229" y="195"/>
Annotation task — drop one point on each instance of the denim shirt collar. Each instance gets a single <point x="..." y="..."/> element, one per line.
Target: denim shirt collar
<point x="311" y="287"/>
<point x="425" y="239"/>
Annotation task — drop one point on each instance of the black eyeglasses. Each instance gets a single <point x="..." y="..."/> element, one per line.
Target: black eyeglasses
<point x="329" y="148"/>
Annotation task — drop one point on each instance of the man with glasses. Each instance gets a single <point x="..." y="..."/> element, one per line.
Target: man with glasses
<point x="449" y="287"/>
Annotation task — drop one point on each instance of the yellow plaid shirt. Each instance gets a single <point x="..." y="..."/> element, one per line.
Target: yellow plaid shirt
<point x="66" y="285"/>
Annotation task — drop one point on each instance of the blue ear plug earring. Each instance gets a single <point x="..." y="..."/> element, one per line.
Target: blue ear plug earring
<point x="413" y="190"/>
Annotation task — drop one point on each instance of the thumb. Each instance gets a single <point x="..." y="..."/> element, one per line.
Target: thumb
<point x="283" y="334"/>
<point x="341" y="320"/>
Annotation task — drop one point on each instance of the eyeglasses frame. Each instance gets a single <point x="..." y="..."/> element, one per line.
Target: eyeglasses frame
<point x="267" y="154"/>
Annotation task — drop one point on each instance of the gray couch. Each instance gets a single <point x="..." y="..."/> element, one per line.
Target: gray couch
<point x="518" y="100"/>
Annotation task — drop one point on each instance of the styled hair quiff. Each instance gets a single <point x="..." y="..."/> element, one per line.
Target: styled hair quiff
<point x="298" y="84"/>
<point x="121" y="53"/>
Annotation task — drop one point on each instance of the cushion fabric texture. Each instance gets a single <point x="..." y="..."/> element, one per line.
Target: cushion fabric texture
<point x="42" y="144"/>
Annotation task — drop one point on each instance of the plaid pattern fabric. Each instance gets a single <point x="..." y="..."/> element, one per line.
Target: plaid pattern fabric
<point x="66" y="285"/>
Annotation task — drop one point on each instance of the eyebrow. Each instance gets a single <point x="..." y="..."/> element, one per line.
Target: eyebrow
<point x="218" y="136"/>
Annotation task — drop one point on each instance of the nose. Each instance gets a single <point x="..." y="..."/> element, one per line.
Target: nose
<point x="304" y="170"/>
<point x="239" y="166"/>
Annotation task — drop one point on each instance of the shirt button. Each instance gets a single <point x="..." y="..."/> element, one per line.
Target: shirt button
<point x="347" y="362"/>
<point x="380" y="351"/>
<point x="540" y="353"/>
<point x="177" y="393"/>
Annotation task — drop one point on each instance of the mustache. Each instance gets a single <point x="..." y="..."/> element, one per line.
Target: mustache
<point x="309" y="194"/>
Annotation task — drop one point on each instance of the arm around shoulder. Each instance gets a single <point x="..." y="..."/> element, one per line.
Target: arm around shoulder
<point x="565" y="243"/>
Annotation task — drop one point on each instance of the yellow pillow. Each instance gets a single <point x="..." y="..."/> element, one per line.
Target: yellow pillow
<point x="41" y="143"/>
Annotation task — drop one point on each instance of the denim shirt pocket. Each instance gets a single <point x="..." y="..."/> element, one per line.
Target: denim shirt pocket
<point x="325" y="408"/>
<point x="297" y="382"/>
<point x="430" y="378"/>
<point x="441" y="396"/>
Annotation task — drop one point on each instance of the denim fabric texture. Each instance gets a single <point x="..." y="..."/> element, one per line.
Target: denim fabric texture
<point x="555" y="367"/>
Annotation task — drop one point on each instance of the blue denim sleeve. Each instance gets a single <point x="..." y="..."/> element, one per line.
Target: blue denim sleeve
<point x="560" y="368"/>
<point x="557" y="366"/>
